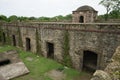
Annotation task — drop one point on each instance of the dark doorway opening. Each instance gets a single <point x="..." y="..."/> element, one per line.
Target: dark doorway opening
<point x="81" y="20"/>
<point x="50" y="50"/>
<point x="89" y="61"/>
<point x="5" y="62"/>
<point x="14" y="40"/>
<point x="4" y="38"/>
<point x="0" y="38"/>
<point x="28" y="45"/>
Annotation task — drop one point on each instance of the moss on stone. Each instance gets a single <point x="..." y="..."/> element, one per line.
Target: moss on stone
<point x="66" y="57"/>
<point x="20" y="43"/>
<point x="8" y="37"/>
<point x="117" y="74"/>
<point x="38" y="45"/>
<point x="0" y="34"/>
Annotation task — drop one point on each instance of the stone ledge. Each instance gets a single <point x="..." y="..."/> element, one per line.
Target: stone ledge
<point x="13" y="70"/>
<point x="2" y="78"/>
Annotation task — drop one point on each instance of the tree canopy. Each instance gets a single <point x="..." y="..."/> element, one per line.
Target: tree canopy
<point x="112" y="8"/>
<point x="15" y="18"/>
<point x="3" y="18"/>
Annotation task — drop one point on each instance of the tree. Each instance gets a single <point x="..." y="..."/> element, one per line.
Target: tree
<point x="68" y="17"/>
<point x="112" y="8"/>
<point x="13" y="18"/>
<point x="115" y="14"/>
<point x="116" y="4"/>
<point x="22" y="18"/>
<point x="116" y="8"/>
<point x="44" y="19"/>
<point x="59" y="18"/>
<point x="32" y="18"/>
<point x="3" y="18"/>
<point x="108" y="4"/>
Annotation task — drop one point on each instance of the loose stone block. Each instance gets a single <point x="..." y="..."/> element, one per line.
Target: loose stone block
<point x="13" y="70"/>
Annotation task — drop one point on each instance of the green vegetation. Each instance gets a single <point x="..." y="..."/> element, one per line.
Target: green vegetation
<point x="15" y="18"/>
<point x="112" y="9"/>
<point x="7" y="48"/>
<point x="1" y="35"/>
<point x="12" y="18"/>
<point x="40" y="65"/>
<point x="20" y="38"/>
<point x="3" y="17"/>
<point x="66" y="57"/>
<point x="38" y="45"/>
<point x="117" y="73"/>
<point x="8" y="37"/>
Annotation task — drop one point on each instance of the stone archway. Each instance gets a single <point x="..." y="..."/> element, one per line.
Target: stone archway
<point x="81" y="19"/>
<point x="89" y="61"/>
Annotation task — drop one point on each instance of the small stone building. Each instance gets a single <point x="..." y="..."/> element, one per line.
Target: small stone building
<point x="84" y="14"/>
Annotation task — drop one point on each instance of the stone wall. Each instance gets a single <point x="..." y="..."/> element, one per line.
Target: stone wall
<point x="88" y="16"/>
<point x="101" y="39"/>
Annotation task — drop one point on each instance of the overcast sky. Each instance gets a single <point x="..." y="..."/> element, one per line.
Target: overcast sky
<point x="47" y="8"/>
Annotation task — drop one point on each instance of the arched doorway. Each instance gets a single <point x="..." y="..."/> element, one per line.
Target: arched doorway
<point x="89" y="61"/>
<point x="81" y="19"/>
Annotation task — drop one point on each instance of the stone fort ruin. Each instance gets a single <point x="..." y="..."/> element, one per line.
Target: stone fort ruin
<point x="88" y="45"/>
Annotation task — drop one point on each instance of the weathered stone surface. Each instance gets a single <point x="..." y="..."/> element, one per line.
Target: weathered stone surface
<point x="101" y="75"/>
<point x="13" y="70"/>
<point x="116" y="56"/>
<point x="89" y="14"/>
<point x="11" y="52"/>
<point x="11" y="55"/>
<point x="2" y="78"/>
<point x="114" y="67"/>
<point x="100" y="38"/>
<point x="2" y="57"/>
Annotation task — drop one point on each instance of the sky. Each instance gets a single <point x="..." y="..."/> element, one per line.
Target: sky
<point x="48" y="8"/>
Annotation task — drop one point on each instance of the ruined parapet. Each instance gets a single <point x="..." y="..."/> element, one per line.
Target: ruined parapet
<point x="112" y="71"/>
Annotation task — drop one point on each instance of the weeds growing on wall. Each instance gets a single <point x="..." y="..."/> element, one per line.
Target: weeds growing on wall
<point x="66" y="56"/>
<point x="5" y="37"/>
<point x="1" y="35"/>
<point x="2" y="42"/>
<point x="8" y="38"/>
<point x="38" y="46"/>
<point x="20" y="43"/>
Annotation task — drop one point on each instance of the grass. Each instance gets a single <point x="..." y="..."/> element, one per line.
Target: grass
<point x="39" y="66"/>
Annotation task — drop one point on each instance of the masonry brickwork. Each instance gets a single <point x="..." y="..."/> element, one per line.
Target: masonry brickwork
<point x="102" y="39"/>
